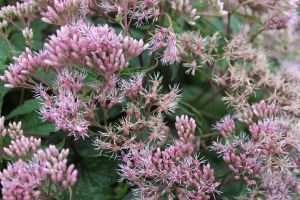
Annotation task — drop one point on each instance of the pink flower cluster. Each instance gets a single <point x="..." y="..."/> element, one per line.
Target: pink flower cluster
<point x="188" y="47"/>
<point x="21" y="180"/>
<point x="14" y="130"/>
<point x="133" y="86"/>
<point x="65" y="109"/>
<point x="279" y="17"/>
<point x="25" y="180"/>
<point x="173" y="171"/>
<point x="59" y="12"/>
<point x="274" y="14"/>
<point x="55" y="165"/>
<point x="24" y="11"/>
<point x="267" y="155"/>
<point x="141" y="11"/>
<point x="97" y="47"/>
<point x="143" y="119"/>
<point x="23" y="147"/>
<point x="20" y="146"/>
<point x="185" y="8"/>
<point x="258" y="110"/>
<point x="226" y="126"/>
<point x="165" y="38"/>
<point x="25" y="64"/>
<point x="27" y="177"/>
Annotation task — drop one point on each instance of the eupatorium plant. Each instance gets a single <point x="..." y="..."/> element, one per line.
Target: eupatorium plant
<point x="137" y="94"/>
<point x="33" y="173"/>
<point x="174" y="171"/>
<point x="268" y="156"/>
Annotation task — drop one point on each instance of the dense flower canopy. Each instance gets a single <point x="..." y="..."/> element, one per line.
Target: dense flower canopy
<point x="150" y="99"/>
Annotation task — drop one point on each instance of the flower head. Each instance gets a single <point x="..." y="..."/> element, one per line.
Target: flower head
<point x="20" y="180"/>
<point x="97" y="47"/>
<point x="156" y="172"/>
<point x="166" y="38"/>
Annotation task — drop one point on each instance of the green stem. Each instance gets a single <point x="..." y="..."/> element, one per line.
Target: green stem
<point x="254" y="36"/>
<point x="210" y="135"/>
<point x="49" y="190"/>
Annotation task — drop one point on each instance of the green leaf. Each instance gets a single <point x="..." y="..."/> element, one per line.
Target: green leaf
<point x="3" y="67"/>
<point x="38" y="37"/>
<point x="219" y="26"/>
<point x="32" y="123"/>
<point x="61" y="144"/>
<point x="5" y="51"/>
<point x="43" y="128"/>
<point x="27" y="107"/>
<point x="235" y="23"/>
<point x="87" y="149"/>
<point x="1" y="95"/>
<point x="96" y="177"/>
<point x="18" y="41"/>
<point x="233" y="189"/>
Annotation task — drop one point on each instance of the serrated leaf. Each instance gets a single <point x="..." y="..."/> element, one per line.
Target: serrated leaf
<point x="27" y="107"/>
<point x="32" y="123"/>
<point x="96" y="175"/>
<point x="86" y="148"/>
<point x="43" y="128"/>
